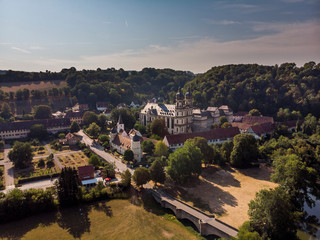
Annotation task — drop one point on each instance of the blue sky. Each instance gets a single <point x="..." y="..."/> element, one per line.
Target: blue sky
<point x="195" y="35"/>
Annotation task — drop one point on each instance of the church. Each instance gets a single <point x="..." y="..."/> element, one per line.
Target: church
<point x="182" y="118"/>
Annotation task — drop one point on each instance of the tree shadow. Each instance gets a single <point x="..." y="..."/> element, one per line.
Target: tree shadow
<point x="75" y="220"/>
<point x="103" y="207"/>
<point x="17" y="229"/>
<point x="221" y="177"/>
<point x="261" y="172"/>
<point x="211" y="199"/>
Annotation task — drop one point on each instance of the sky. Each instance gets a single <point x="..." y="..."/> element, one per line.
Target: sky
<point x="191" y="35"/>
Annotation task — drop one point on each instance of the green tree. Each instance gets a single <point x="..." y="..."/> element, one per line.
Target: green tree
<point x="38" y="131"/>
<point x="245" y="150"/>
<point x="126" y="178"/>
<point x="74" y="127"/>
<point x="157" y="173"/>
<point x="161" y="149"/>
<point x="89" y="117"/>
<point x="273" y="215"/>
<point x="158" y="127"/>
<point x="93" y="130"/>
<point x="222" y="120"/>
<point x="141" y="176"/>
<point x="21" y="154"/>
<point x="128" y="155"/>
<point x="95" y="160"/>
<point x="102" y="120"/>
<point x="61" y="135"/>
<point x="126" y="115"/>
<point x="147" y="146"/>
<point x="104" y="138"/>
<point x="42" y="112"/>
<point x="6" y="111"/>
<point x="141" y="128"/>
<point x="246" y="232"/>
<point x="69" y="187"/>
<point x="185" y="162"/>
<point x="206" y="150"/>
<point x="254" y="112"/>
<point x="226" y="149"/>
<point x="298" y="178"/>
<point x="2" y="144"/>
<point x="309" y="125"/>
<point x="109" y="170"/>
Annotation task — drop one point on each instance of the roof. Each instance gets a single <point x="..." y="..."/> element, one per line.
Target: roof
<point x="70" y="136"/>
<point x="241" y="125"/>
<point x="136" y="138"/>
<point x="150" y="139"/>
<point x="217" y="133"/>
<point x="74" y="114"/>
<point x="102" y="104"/>
<point x="159" y="109"/>
<point x="22" y="125"/>
<point x="241" y="114"/>
<point x="124" y="142"/>
<point x="291" y="123"/>
<point x="257" y="119"/>
<point x="263" y="128"/>
<point x="85" y="171"/>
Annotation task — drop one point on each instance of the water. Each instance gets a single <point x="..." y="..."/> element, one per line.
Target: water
<point x="316" y="212"/>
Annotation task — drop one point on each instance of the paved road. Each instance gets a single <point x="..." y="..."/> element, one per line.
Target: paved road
<point x="56" y="160"/>
<point x="96" y="148"/>
<point x="8" y="168"/>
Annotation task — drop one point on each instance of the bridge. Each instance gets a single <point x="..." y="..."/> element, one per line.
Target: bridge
<point x="206" y="224"/>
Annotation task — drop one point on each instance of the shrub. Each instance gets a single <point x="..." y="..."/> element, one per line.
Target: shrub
<point x="41" y="163"/>
<point x="50" y="163"/>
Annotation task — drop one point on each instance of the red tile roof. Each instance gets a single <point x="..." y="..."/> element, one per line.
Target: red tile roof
<point x="257" y="119"/>
<point x="124" y="142"/>
<point x="263" y="128"/>
<point x="217" y="133"/>
<point x="74" y="114"/>
<point x="86" y="172"/>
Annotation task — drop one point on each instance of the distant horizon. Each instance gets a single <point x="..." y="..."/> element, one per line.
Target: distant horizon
<point x="184" y="35"/>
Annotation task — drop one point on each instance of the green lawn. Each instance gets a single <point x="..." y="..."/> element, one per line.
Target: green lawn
<point x="115" y="219"/>
<point x="39" y="153"/>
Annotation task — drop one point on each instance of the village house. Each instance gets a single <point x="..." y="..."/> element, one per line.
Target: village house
<point x="75" y="117"/>
<point x="70" y="139"/>
<point x="102" y="106"/>
<point x="217" y="135"/>
<point x="246" y="121"/>
<point x="87" y="178"/>
<point x="21" y="129"/>
<point x="80" y="107"/>
<point x="262" y="130"/>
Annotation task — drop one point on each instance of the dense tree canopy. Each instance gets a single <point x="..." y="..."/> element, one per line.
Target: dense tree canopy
<point x="21" y="154"/>
<point x="141" y="176"/>
<point x="42" y="112"/>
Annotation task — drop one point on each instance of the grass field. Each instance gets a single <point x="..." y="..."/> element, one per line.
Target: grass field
<point x="115" y="219"/>
<point x="34" y="85"/>
<point x="225" y="192"/>
<point x="73" y="159"/>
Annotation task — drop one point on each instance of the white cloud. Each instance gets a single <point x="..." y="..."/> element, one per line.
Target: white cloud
<point x="20" y="50"/>
<point x="222" y="22"/>
<point x="297" y="43"/>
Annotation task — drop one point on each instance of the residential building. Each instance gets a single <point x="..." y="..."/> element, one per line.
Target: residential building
<point x="70" y="139"/>
<point x="80" y="107"/>
<point x="217" y="135"/>
<point x="102" y="106"/>
<point x="86" y="175"/>
<point x="21" y="129"/>
<point x="261" y="130"/>
<point x="75" y="117"/>
<point x="245" y="122"/>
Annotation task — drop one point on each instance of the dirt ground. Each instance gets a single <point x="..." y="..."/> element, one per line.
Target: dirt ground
<point x="226" y="192"/>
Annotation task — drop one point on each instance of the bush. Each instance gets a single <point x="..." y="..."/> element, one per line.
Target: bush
<point x="41" y="148"/>
<point x="41" y="163"/>
<point x="50" y="163"/>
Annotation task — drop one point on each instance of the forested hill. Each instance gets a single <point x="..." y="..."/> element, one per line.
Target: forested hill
<point x="266" y="88"/>
<point x="111" y="85"/>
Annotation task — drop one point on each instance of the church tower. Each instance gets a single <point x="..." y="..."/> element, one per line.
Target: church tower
<point x="183" y="111"/>
<point x="120" y="124"/>
<point x="136" y="147"/>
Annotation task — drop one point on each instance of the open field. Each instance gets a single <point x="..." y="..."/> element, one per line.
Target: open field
<point x="75" y="159"/>
<point x="32" y="85"/>
<point x="115" y="219"/>
<point x="225" y="192"/>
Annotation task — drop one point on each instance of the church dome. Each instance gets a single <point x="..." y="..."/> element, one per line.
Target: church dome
<point x="179" y="94"/>
<point x="136" y="138"/>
